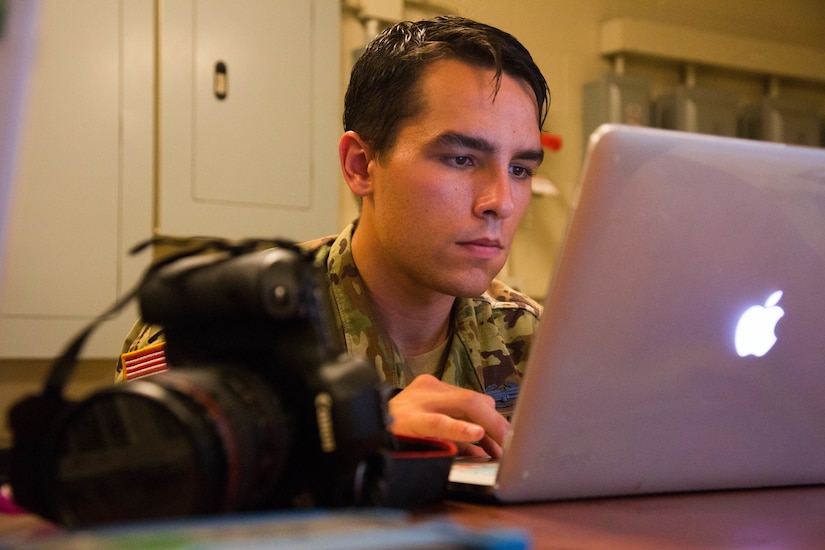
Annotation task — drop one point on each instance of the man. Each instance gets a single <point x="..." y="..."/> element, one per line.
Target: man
<point x="442" y="123"/>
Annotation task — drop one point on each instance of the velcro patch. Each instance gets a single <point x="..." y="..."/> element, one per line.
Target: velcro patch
<point x="144" y="362"/>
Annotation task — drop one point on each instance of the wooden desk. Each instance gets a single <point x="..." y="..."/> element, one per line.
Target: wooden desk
<point x="764" y="519"/>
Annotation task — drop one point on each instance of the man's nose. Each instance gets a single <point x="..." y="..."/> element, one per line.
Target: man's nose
<point x="495" y="194"/>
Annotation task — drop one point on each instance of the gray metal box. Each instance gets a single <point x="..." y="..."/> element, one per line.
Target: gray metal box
<point x="784" y="120"/>
<point x="616" y="99"/>
<point x="698" y="110"/>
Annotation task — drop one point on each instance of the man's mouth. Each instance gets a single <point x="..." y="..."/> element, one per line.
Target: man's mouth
<point x="483" y="248"/>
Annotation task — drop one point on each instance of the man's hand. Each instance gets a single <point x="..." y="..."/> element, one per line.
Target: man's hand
<point x="428" y="407"/>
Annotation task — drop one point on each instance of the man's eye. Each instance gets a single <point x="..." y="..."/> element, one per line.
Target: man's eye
<point x="521" y="172"/>
<point x="461" y="160"/>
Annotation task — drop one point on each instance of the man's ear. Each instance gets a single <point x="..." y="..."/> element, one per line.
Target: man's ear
<point x="355" y="158"/>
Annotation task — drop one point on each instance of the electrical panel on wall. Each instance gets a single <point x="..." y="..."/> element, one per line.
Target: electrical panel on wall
<point x="616" y="99"/>
<point x="662" y="50"/>
<point x="249" y="118"/>
<point x="784" y="120"/>
<point x="701" y="110"/>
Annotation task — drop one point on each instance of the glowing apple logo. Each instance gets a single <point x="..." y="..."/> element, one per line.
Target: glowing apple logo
<point x="755" y="329"/>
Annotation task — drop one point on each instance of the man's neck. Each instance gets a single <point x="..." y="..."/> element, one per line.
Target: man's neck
<point x="417" y="320"/>
<point x="415" y="329"/>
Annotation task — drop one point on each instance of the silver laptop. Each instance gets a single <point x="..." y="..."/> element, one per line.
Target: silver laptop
<point x="682" y="346"/>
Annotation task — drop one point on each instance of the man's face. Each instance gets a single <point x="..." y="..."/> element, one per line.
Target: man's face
<point x="448" y="196"/>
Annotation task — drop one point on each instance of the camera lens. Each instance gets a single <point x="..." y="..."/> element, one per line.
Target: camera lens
<point x="186" y="442"/>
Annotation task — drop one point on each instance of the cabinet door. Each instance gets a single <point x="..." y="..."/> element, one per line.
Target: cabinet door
<point x="249" y="103"/>
<point x="83" y="187"/>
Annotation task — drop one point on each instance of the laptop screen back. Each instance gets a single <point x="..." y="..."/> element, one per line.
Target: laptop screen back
<point x="636" y="384"/>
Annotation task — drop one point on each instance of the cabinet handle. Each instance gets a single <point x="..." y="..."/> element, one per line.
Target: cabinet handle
<point x="220" y="82"/>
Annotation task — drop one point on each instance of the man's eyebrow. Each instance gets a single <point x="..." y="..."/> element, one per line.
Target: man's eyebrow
<point x="456" y="139"/>
<point x="531" y="154"/>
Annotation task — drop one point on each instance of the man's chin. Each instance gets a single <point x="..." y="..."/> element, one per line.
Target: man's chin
<point x="470" y="288"/>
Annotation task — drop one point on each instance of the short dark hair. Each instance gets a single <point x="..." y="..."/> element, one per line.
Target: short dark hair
<point x="383" y="88"/>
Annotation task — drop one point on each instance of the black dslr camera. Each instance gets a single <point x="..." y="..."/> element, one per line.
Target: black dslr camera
<point x="260" y="408"/>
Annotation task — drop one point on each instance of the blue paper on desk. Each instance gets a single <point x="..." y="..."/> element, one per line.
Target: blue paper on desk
<point x="339" y="530"/>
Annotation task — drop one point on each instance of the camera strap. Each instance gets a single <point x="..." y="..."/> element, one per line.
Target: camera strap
<point x="66" y="362"/>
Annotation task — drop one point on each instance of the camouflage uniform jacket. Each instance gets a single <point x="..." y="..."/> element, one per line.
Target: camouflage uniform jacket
<point x="491" y="334"/>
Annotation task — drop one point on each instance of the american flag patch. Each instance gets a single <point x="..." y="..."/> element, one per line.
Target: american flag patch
<point x="144" y="362"/>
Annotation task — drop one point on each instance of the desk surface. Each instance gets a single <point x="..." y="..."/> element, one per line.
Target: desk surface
<point x="776" y="518"/>
<point x="765" y="519"/>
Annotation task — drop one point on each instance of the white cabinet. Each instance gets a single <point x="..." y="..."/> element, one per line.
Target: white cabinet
<point x="261" y="162"/>
<point x="83" y="187"/>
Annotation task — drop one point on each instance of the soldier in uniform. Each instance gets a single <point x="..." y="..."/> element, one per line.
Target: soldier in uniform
<point x="442" y="122"/>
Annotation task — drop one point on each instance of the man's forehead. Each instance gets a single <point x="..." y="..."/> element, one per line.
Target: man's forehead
<point x="446" y="82"/>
